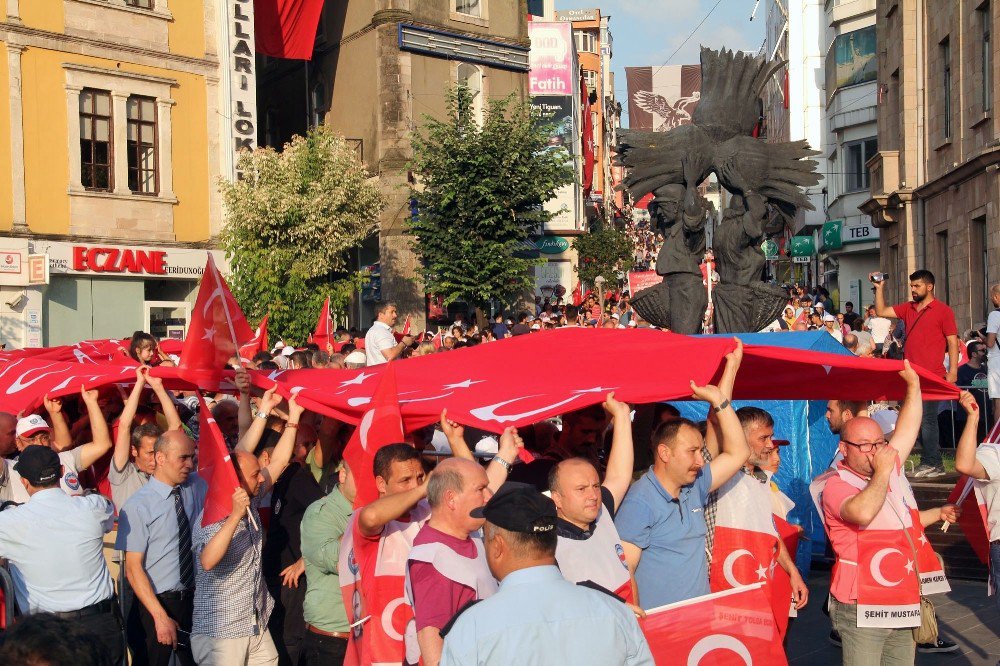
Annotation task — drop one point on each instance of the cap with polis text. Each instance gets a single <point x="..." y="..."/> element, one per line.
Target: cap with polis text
<point x="519" y="507"/>
<point x="40" y="465"/>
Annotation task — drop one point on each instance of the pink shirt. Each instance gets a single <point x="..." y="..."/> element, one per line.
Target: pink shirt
<point x="843" y="536"/>
<point x="436" y="598"/>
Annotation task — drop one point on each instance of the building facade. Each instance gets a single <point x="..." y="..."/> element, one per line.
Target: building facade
<point x="934" y="180"/>
<point x="849" y="242"/>
<point x="378" y="69"/>
<point x="114" y="130"/>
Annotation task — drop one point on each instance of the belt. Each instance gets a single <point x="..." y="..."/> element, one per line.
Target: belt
<point x="176" y="595"/>
<point x="100" y="608"/>
<point x="331" y="634"/>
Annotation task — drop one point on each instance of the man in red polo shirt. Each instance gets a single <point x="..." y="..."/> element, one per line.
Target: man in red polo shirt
<point x="931" y="334"/>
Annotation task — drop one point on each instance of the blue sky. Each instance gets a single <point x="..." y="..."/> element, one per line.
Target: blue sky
<point x="646" y="32"/>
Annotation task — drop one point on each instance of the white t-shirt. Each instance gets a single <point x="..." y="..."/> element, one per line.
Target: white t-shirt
<point x="378" y="339"/>
<point x="988" y="456"/>
<point x="880" y="327"/>
<point x="993" y="326"/>
<point x="12" y="489"/>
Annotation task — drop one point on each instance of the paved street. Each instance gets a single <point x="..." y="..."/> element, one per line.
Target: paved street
<point x="966" y="615"/>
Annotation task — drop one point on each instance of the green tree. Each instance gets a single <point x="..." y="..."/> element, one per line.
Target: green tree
<point x="604" y="252"/>
<point x="290" y="222"/>
<point x="480" y="197"/>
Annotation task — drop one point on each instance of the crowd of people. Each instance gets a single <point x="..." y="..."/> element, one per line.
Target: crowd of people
<point x="468" y="554"/>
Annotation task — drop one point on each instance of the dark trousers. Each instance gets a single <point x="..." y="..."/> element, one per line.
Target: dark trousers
<point x="287" y="625"/>
<point x="930" y="436"/>
<point x="179" y="609"/>
<point x="317" y="650"/>
<point x="995" y="570"/>
<point x="106" y="629"/>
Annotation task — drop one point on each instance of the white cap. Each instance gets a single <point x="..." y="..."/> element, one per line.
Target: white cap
<point x="536" y="327"/>
<point x="287" y="351"/>
<point x="30" y="425"/>
<point x="886" y="419"/>
<point x="829" y="317"/>
<point x="356" y="356"/>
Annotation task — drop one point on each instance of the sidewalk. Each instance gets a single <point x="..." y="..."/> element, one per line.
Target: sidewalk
<point x="966" y="615"/>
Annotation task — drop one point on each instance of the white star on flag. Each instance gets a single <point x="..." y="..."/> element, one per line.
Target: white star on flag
<point x="596" y="389"/>
<point x="357" y="381"/>
<point x="761" y="572"/>
<point x="923" y="540"/>
<point x="209" y="334"/>
<point x="909" y="566"/>
<point x="465" y="384"/>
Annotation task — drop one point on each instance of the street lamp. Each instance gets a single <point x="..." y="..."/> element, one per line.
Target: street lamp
<point x="599" y="283"/>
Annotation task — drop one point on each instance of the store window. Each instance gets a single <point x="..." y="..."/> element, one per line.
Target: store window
<point x="142" y="172"/>
<point x="857" y="154"/>
<point x="95" y="140"/>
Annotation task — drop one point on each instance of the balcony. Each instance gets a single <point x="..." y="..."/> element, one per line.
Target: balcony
<point x="887" y="192"/>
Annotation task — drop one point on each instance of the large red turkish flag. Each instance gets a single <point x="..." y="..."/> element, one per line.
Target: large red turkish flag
<point x="86" y="351"/>
<point x="380" y="425"/>
<point x="323" y="334"/>
<point x="286" y="28"/>
<point x="731" y="628"/>
<point x="25" y="381"/>
<point x="257" y="343"/>
<point x="888" y="587"/>
<point x="215" y="466"/>
<point x="217" y="331"/>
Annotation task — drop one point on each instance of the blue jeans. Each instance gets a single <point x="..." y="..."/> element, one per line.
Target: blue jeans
<point x="995" y="571"/>
<point x="930" y="440"/>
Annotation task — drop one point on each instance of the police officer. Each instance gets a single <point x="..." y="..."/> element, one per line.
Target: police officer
<point x="54" y="544"/>
<point x="537" y="612"/>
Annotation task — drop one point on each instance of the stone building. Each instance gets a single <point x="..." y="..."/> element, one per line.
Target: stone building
<point x="378" y="69"/>
<point x="115" y="126"/>
<point x="934" y="180"/>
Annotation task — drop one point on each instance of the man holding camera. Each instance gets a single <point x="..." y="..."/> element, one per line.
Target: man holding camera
<point x="931" y="333"/>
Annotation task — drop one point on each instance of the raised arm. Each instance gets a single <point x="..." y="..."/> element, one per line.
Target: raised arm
<point x="881" y="309"/>
<point x="216" y="548"/>
<point x="455" y="433"/>
<point x="61" y="437"/>
<point x="100" y="442"/>
<point x="910" y="414"/>
<point x="282" y="454"/>
<point x="510" y="446"/>
<point x="242" y="382"/>
<point x="965" y="452"/>
<point x="124" y="439"/>
<point x="375" y="516"/>
<point x="618" y="476"/>
<point x="726" y="385"/>
<point x="251" y="438"/>
<point x="734" y="451"/>
<point x="166" y="403"/>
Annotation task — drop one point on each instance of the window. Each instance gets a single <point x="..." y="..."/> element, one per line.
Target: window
<point x="986" y="20"/>
<point x="471" y="78"/>
<point x="590" y="78"/>
<point x="978" y="262"/>
<point x="141" y="134"/>
<point x="317" y="100"/>
<point x="942" y="271"/>
<point x="141" y="4"/>
<point x="586" y="41"/>
<point x="469" y="7"/>
<point x="95" y="139"/>
<point x="946" y="85"/>
<point x="857" y="154"/>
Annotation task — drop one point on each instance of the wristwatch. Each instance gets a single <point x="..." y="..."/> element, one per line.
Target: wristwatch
<point x="505" y="464"/>
<point x="725" y="403"/>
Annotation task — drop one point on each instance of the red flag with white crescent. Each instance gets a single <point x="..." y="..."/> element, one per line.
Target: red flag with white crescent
<point x="381" y="424"/>
<point x="323" y="334"/>
<point x="888" y="588"/>
<point x="215" y="465"/>
<point x="731" y="628"/>
<point x="218" y="329"/>
<point x="968" y="495"/>
<point x="257" y="343"/>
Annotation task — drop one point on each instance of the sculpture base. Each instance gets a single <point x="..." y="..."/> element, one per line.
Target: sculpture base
<point x="747" y="308"/>
<point x="678" y="304"/>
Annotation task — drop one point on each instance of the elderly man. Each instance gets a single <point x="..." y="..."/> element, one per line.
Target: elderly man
<point x="380" y="540"/>
<point x="8" y="435"/>
<point x="589" y="547"/>
<point x="33" y="430"/>
<point x="662" y="519"/>
<point x="154" y="530"/>
<point x="231" y="601"/>
<point x="870" y="514"/>
<point x="55" y="546"/>
<point x="446" y="568"/>
<point x="380" y="343"/>
<point x="537" y="615"/>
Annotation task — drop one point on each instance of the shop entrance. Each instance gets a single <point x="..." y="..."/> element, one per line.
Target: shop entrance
<point x="167" y="319"/>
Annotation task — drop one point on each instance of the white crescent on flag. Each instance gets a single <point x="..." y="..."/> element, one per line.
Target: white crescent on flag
<point x="719" y="642"/>
<point x="876" y="568"/>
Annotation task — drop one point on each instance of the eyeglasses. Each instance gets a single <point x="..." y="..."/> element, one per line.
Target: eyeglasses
<point x="866" y="447"/>
<point x="44" y="434"/>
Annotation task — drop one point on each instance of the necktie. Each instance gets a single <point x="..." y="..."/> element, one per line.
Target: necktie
<point x="185" y="557"/>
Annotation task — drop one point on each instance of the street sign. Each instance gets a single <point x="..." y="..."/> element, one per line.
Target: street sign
<point x="801" y="260"/>
<point x="552" y="244"/>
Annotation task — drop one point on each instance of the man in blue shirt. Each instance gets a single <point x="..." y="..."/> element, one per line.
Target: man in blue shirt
<point x="154" y="531"/>
<point x="537" y="616"/>
<point x="662" y="518"/>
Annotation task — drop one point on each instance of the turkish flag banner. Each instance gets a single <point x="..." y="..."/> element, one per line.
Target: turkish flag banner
<point x="286" y="28"/>
<point x="257" y="343"/>
<point x="217" y="331"/>
<point x="215" y="466"/>
<point x="381" y="424"/>
<point x="86" y="351"/>
<point x="323" y="335"/>
<point x="24" y="382"/>
<point x="731" y="628"/>
<point x="741" y="557"/>
<point x="888" y="590"/>
<point x="932" y="576"/>
<point x="968" y="496"/>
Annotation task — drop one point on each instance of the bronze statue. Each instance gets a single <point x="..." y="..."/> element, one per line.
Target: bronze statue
<point x="761" y="176"/>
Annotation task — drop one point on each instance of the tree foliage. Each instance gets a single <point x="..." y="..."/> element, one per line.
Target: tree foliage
<point x="290" y="222"/>
<point x="604" y="252"/>
<point x="481" y="195"/>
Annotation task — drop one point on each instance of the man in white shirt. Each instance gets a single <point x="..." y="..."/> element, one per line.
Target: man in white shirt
<point x="380" y="343"/>
<point x="993" y="349"/>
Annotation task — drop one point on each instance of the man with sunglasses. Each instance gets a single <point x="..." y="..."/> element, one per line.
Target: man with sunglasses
<point x="33" y="430"/>
<point x="874" y="528"/>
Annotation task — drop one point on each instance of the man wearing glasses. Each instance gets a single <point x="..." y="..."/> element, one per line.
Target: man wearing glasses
<point x="33" y="430"/>
<point x="873" y="524"/>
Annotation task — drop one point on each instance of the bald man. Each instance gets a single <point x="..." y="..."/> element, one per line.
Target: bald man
<point x="446" y="568"/>
<point x="874" y="528"/>
<point x="588" y="546"/>
<point x="8" y="438"/>
<point x="231" y="602"/>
